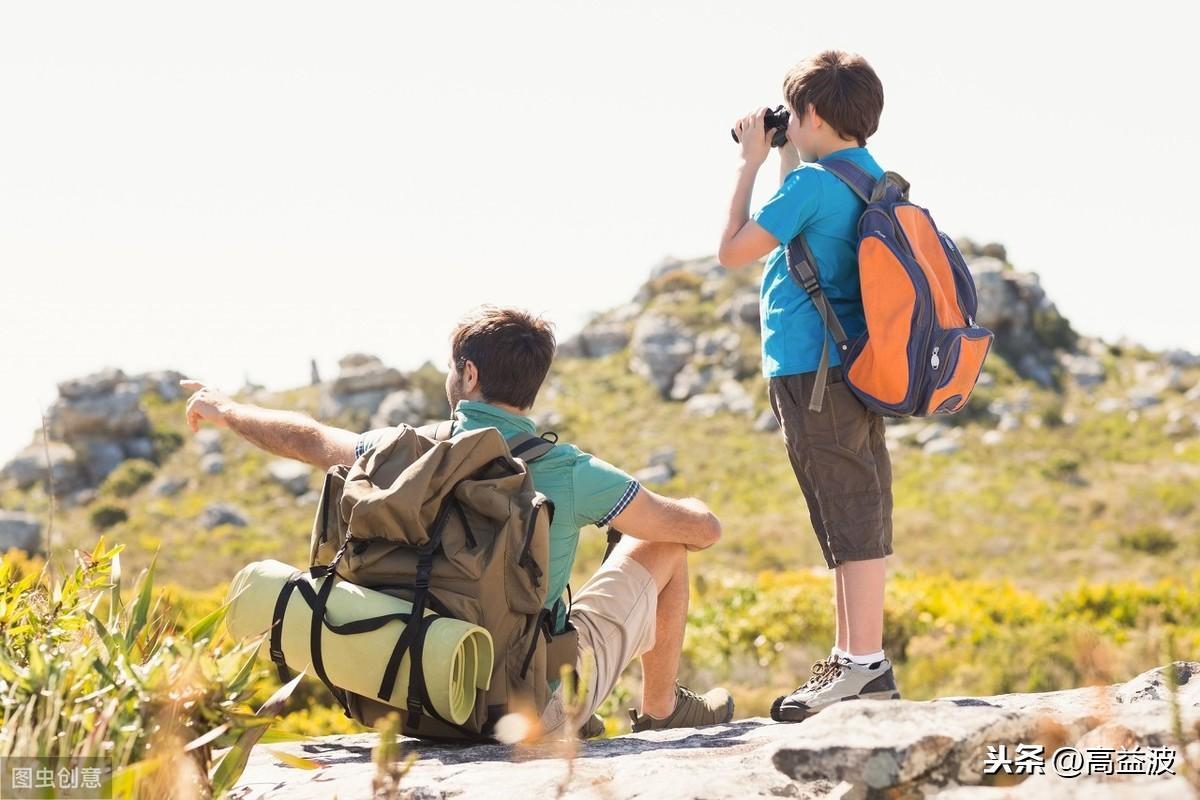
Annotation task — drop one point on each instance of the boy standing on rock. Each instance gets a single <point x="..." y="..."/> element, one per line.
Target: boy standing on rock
<point x="838" y="454"/>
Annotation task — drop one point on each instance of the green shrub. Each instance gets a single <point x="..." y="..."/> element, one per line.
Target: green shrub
<point x="88" y="675"/>
<point x="131" y="475"/>
<point x="166" y="441"/>
<point x="104" y="515"/>
<point x="1149" y="539"/>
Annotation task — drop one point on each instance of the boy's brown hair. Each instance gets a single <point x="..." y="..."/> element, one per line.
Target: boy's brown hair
<point x="843" y="89"/>
<point x="511" y="348"/>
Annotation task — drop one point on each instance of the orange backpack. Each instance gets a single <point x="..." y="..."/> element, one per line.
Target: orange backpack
<point x="922" y="352"/>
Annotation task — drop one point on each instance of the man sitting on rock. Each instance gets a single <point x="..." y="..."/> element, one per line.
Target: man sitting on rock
<point x="634" y="605"/>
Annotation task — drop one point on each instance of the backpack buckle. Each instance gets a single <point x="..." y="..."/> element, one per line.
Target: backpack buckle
<point x="811" y="284"/>
<point x="414" y="711"/>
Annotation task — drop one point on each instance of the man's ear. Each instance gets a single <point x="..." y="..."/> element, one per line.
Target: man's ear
<point x="470" y="377"/>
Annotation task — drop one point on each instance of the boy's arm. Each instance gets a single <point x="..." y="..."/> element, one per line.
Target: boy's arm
<point x="744" y="241"/>
<point x="283" y="433"/>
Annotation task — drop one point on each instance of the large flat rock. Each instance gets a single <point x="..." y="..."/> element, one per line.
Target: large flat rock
<point x="863" y="748"/>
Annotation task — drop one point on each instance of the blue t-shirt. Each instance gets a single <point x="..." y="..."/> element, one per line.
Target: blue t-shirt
<point x="816" y="202"/>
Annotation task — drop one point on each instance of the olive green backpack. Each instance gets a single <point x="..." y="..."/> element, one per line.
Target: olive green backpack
<point x="451" y="524"/>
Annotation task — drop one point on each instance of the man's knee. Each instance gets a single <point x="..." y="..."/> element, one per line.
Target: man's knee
<point x="661" y="559"/>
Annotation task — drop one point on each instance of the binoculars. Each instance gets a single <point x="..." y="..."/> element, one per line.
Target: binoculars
<point x="777" y="119"/>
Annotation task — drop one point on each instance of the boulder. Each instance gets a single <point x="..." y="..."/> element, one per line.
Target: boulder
<point x="216" y="514"/>
<point x="661" y="346"/>
<point x="31" y="466"/>
<point x="403" y="406"/>
<point x="167" y="485"/>
<point x="93" y="410"/>
<point x="207" y="441"/>
<point x="766" y="422"/>
<point x="100" y="457"/>
<point x="657" y="474"/>
<point x="693" y="380"/>
<point x="97" y="383"/>
<point x="365" y="373"/>
<point x="742" y="308"/>
<point x="730" y="397"/>
<point x="860" y="749"/>
<point x="1087" y="371"/>
<point x="943" y="445"/>
<point x="662" y="456"/>
<point x="20" y="530"/>
<point x="600" y="339"/>
<point x="212" y="464"/>
<point x="291" y="475"/>
<point x="164" y="382"/>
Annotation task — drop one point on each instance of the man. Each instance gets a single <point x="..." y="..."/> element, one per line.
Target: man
<point x="635" y="605"/>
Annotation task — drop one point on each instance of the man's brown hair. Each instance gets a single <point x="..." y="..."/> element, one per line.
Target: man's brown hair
<point x="843" y="89"/>
<point x="511" y="348"/>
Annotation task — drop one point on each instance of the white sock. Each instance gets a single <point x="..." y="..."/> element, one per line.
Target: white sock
<point x="867" y="659"/>
<point x="838" y="652"/>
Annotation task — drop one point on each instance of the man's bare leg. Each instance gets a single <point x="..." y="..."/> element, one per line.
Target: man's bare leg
<point x="667" y="562"/>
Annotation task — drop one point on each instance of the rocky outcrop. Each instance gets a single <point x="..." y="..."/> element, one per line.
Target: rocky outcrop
<point x="363" y="381"/>
<point x="661" y="347"/>
<point x="686" y="325"/>
<point x="94" y="424"/>
<point x="1030" y="331"/>
<point x="38" y="462"/>
<point x="403" y="406"/>
<point x="860" y="749"/>
<point x="21" y="531"/>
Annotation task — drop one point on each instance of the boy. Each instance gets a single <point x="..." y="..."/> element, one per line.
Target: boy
<point x="838" y="454"/>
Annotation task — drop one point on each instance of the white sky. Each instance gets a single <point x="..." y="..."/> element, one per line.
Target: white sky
<point x="230" y="189"/>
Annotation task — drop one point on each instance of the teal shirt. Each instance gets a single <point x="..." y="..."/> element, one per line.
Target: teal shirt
<point x="585" y="490"/>
<point x="815" y="202"/>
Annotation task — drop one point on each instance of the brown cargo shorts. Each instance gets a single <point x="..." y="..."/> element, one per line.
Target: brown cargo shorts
<point x="840" y="459"/>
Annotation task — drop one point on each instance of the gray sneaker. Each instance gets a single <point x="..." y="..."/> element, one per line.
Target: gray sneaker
<point x="833" y="680"/>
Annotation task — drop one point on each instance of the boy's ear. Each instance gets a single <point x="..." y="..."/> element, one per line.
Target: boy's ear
<point x="811" y="111"/>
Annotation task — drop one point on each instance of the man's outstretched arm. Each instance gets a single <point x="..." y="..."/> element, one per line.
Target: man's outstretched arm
<point x="289" y="434"/>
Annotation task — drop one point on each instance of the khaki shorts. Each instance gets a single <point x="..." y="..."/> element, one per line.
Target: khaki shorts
<point x="841" y="461"/>
<point x="614" y="613"/>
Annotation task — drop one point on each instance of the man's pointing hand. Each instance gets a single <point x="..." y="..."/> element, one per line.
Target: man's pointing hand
<point x="205" y="404"/>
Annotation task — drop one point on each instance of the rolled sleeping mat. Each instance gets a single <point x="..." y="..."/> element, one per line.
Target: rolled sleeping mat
<point x="456" y="660"/>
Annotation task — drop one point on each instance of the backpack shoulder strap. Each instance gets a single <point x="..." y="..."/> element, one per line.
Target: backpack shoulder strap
<point x="803" y="268"/>
<point x="854" y="176"/>
<point x="862" y="184"/>
<point x="529" y="447"/>
<point x="438" y="431"/>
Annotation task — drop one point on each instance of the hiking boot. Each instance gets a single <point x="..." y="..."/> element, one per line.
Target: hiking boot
<point x="820" y="672"/>
<point x="592" y="728"/>
<point x="835" y="679"/>
<point x="691" y="710"/>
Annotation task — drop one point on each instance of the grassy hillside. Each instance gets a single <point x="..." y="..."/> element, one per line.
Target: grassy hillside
<point x="1057" y="556"/>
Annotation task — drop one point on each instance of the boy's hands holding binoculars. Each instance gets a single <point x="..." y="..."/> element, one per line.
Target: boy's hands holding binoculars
<point x="753" y="137"/>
